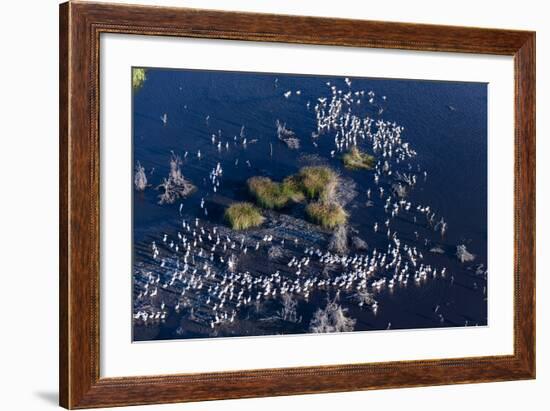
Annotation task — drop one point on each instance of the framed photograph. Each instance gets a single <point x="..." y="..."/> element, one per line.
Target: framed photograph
<point x="259" y="205"/>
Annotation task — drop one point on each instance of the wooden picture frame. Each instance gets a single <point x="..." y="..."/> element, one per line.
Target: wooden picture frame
<point x="80" y="27"/>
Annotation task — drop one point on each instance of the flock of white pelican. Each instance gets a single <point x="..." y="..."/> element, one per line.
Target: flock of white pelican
<point x="198" y="269"/>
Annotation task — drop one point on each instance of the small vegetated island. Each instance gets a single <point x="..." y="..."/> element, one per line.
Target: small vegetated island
<point x="315" y="185"/>
<point x="355" y="160"/>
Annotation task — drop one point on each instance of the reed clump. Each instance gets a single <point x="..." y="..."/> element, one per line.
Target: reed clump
<point x="241" y="216"/>
<point x="273" y="195"/>
<point x="138" y="77"/>
<point x="293" y="188"/>
<point x="327" y="215"/>
<point x="312" y="182"/>
<point x="315" y="179"/>
<point x="317" y="184"/>
<point x="356" y="160"/>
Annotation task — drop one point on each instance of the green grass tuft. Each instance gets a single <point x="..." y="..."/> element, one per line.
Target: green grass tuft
<point x="241" y="216"/>
<point x="268" y="194"/>
<point x="138" y="77"/>
<point x="327" y="215"/>
<point x="292" y="187"/>
<point x="314" y="180"/>
<point x="273" y="195"/>
<point x="315" y="183"/>
<point x="355" y="160"/>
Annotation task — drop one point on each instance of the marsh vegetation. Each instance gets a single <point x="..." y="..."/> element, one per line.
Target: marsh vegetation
<point x="326" y="214"/>
<point x="138" y="77"/>
<point x="273" y="195"/>
<point x="317" y="184"/>
<point x="316" y="180"/>
<point x="355" y="159"/>
<point x="241" y="216"/>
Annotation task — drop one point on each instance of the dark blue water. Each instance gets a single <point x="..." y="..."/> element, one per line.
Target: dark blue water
<point x="445" y="122"/>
